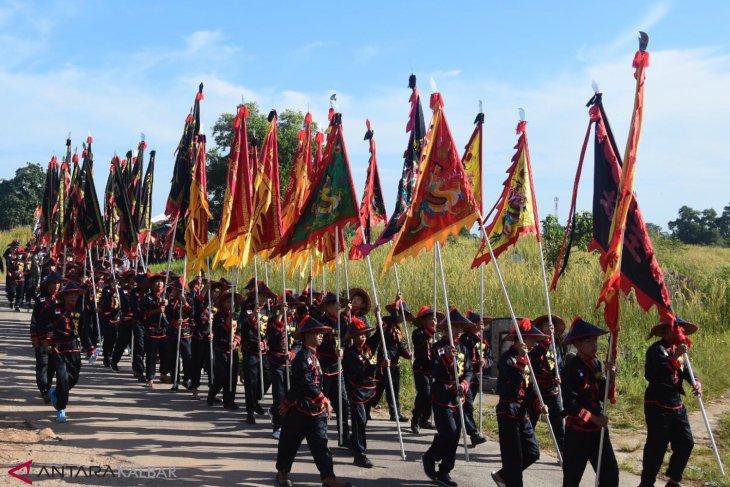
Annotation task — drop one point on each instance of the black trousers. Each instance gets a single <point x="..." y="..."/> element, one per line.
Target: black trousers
<point x="296" y="427"/>
<point x="422" y="403"/>
<point x="67" y="367"/>
<point x="138" y="348"/>
<point x="446" y="441"/>
<point x="383" y="386"/>
<point x="43" y="370"/>
<point x="665" y="427"/>
<point x="278" y="392"/>
<point x="358" y="438"/>
<point x="154" y="347"/>
<point x="518" y="448"/>
<point x="200" y="361"/>
<point x="109" y="332"/>
<point x="555" y="416"/>
<point x="329" y="388"/>
<point x="124" y="337"/>
<point x="30" y="290"/>
<point x="580" y="448"/>
<point x="173" y="362"/>
<point x="252" y="379"/>
<point x="224" y="380"/>
<point x="16" y="292"/>
<point x="469" y="423"/>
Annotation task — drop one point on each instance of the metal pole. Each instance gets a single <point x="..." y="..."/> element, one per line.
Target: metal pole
<point x="383" y="344"/>
<point x="311" y="278"/>
<point x="179" y="324"/>
<point x="337" y="336"/>
<point x="403" y="313"/>
<point x="451" y="342"/>
<point x="286" y="321"/>
<point x="550" y="314"/>
<point x="141" y="259"/>
<point x="704" y="415"/>
<point x="435" y="271"/>
<point x="63" y="271"/>
<point x="519" y="337"/>
<point x="233" y="309"/>
<point x="258" y="326"/>
<point x="210" y="325"/>
<point x="481" y="345"/>
<point x="93" y="291"/>
<point x="603" y="410"/>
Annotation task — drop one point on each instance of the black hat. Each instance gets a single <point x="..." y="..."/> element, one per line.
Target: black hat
<point x="356" y="291"/>
<point x="237" y="299"/>
<point x="358" y="327"/>
<point x="582" y="329"/>
<point x="71" y="288"/>
<point x="309" y="325"/>
<point x="263" y="290"/>
<point x="329" y="298"/>
<point x="456" y="318"/>
<point x="395" y="309"/>
<point x="558" y="323"/>
<point x="52" y="278"/>
<point x="527" y="329"/>
<point x="689" y="328"/>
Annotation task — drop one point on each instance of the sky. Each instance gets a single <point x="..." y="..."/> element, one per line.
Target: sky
<point x="118" y="69"/>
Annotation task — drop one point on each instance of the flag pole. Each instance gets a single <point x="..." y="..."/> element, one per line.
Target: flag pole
<point x="519" y="336"/>
<point x="402" y="310"/>
<point x="169" y="262"/>
<point x="210" y="324"/>
<point x="383" y="344"/>
<point x="179" y="324"/>
<point x="338" y="335"/>
<point x="93" y="290"/>
<point x="437" y="252"/>
<point x="604" y="408"/>
<point x="233" y="310"/>
<point x="286" y="321"/>
<point x="258" y="326"/>
<point x="481" y="349"/>
<point x="311" y="278"/>
<point x="704" y="415"/>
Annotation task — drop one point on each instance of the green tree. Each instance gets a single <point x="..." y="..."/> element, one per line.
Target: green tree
<point x="21" y="195"/>
<point x="723" y="224"/>
<point x="694" y="227"/>
<point x="289" y="124"/>
<point x="553" y="233"/>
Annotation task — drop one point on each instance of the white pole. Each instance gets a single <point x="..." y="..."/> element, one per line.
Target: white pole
<point x="481" y="345"/>
<point x="286" y="321"/>
<point x="210" y="324"/>
<point x="179" y="324"/>
<point x="437" y="251"/>
<point x="337" y="335"/>
<point x="550" y="314"/>
<point x="258" y="325"/>
<point x="603" y="410"/>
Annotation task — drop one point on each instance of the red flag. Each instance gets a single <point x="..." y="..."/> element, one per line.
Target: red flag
<point x="196" y="231"/>
<point x="297" y="187"/>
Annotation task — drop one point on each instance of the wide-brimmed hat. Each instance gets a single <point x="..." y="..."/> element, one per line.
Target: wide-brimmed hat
<point x="476" y="318"/>
<point x="128" y="274"/>
<point x="225" y="283"/>
<point x="456" y="319"/>
<point x="197" y="280"/>
<point x="151" y="280"/>
<point x="400" y="308"/>
<point x="49" y="262"/>
<point x="70" y="288"/>
<point x="141" y="278"/>
<point x="263" y="290"/>
<point x="558" y="323"/>
<point x="52" y="278"/>
<point x="328" y="298"/>
<point x="291" y="300"/>
<point x="237" y="299"/>
<point x="580" y="329"/>
<point x="358" y="327"/>
<point x="425" y="315"/>
<point x="310" y="325"/>
<point x="251" y="284"/>
<point x="357" y="291"/>
<point x="527" y="329"/>
<point x="178" y="284"/>
<point x="688" y="327"/>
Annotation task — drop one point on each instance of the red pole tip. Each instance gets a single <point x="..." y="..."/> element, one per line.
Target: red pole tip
<point x="308" y="118"/>
<point x="521" y="126"/>
<point x="89" y="140"/>
<point x="437" y="101"/>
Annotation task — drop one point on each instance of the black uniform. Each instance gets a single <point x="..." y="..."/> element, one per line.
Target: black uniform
<point x="39" y="321"/>
<point x="396" y="347"/>
<point x="544" y="363"/>
<point x="446" y="403"/>
<point x="178" y="328"/>
<point x="65" y="332"/>
<point x="473" y="344"/>
<point x="360" y="366"/>
<point x="517" y="443"/>
<point x="136" y="305"/>
<point x="154" y="336"/>
<point x="327" y="355"/>
<point x="423" y="339"/>
<point x="278" y="338"/>
<point x="127" y="322"/>
<point x="15" y="281"/>
<point x="200" y="343"/>
<point x="583" y="386"/>
<point x="224" y="373"/>
<point x="666" y="416"/>
<point x="109" y="311"/>
<point x="305" y="416"/>
<point x="252" y="364"/>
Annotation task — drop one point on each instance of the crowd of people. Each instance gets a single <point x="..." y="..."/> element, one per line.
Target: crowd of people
<point x="320" y="358"/>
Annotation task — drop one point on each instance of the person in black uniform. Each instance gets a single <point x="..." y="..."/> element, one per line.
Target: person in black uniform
<point x="279" y="339"/>
<point x="39" y="321"/>
<point x="63" y="337"/>
<point x="109" y="313"/>
<point x="226" y="342"/>
<point x="545" y="364"/>
<point x="203" y="311"/>
<point x="136" y="305"/>
<point x="666" y="417"/>
<point x="155" y="325"/>
<point x="178" y="312"/>
<point x="306" y="409"/>
<point x="328" y="353"/>
<point x="396" y="346"/>
<point x="447" y="392"/>
<point x="424" y="336"/>
<point x="360" y="365"/>
<point x="583" y="386"/>
<point x="472" y="340"/>
<point x="254" y="321"/>
<point x="126" y="318"/>
<point x="517" y="442"/>
<point x="15" y="274"/>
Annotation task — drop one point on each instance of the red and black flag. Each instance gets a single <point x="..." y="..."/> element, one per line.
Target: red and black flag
<point x="50" y="200"/>
<point x="128" y="232"/>
<point x="110" y="219"/>
<point x="135" y="185"/>
<point x="416" y="127"/>
<point x="90" y="221"/>
<point x="372" y="206"/>
<point x="144" y="203"/>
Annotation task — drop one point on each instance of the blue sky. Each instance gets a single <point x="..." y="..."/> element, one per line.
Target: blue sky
<point x="121" y="68"/>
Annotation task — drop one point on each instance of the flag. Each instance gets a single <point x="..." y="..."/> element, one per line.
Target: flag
<point x="443" y="202"/>
<point x="516" y="208"/>
<point x="613" y="257"/>
<point x="372" y="206"/>
<point x="110" y="218"/>
<point x="265" y="229"/>
<point x="49" y="200"/>
<point x="473" y="161"/>
<point x="135" y="185"/>
<point x="406" y="186"/>
<point x="331" y="203"/>
<point x="318" y="140"/>
<point x="71" y="232"/>
<point x="297" y="187"/>
<point x="145" y="200"/>
<point x="128" y="232"/>
<point x="90" y="222"/>
<point x="196" y="232"/>
<point x="64" y="186"/>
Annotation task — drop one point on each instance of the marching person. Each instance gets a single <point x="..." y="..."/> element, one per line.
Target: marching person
<point x="155" y="323"/>
<point x="447" y="392"/>
<point x="306" y="409"/>
<point x="15" y="279"/>
<point x="126" y="321"/>
<point x="517" y="442"/>
<point x="225" y="327"/>
<point x="203" y="312"/>
<point x="360" y="366"/>
<point x="472" y="340"/>
<point x="583" y="386"/>
<point x="545" y="364"/>
<point x="424" y="336"/>
<point x="63" y="337"/>
<point x="136" y="305"/>
<point x="109" y="313"/>
<point x="178" y="313"/>
<point x="396" y="347"/>
<point x="38" y="322"/>
<point x="666" y="416"/>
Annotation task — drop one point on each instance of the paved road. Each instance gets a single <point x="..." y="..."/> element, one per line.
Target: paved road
<point x="113" y="420"/>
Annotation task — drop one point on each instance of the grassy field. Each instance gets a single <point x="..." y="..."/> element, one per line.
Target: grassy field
<point x="698" y="280"/>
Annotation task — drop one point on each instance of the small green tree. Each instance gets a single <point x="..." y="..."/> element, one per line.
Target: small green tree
<point x="21" y="195"/>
